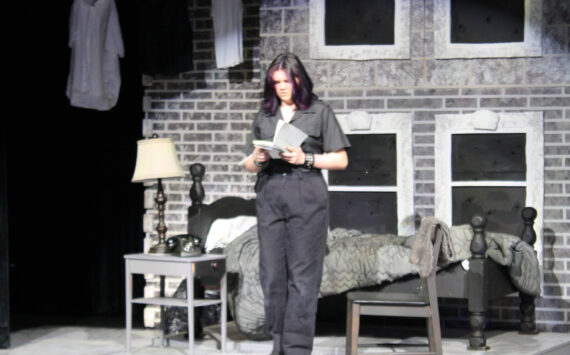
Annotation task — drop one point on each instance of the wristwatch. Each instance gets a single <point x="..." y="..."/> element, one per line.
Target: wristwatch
<point x="309" y="160"/>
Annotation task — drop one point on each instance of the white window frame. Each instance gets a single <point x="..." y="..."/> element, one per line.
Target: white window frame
<point x="485" y="122"/>
<point x="399" y="50"/>
<point x="530" y="47"/>
<point x="399" y="124"/>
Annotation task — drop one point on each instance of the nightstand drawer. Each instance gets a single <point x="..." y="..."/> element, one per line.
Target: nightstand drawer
<point x="210" y="270"/>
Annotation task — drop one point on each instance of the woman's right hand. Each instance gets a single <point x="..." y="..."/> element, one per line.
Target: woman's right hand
<point x="260" y="155"/>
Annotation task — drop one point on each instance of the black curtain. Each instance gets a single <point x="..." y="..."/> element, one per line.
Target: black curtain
<point x="73" y="212"/>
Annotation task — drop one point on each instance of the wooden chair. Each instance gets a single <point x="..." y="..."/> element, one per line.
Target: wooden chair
<point x="398" y="305"/>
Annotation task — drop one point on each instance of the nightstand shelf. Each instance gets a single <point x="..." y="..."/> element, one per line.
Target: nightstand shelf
<point x="211" y="266"/>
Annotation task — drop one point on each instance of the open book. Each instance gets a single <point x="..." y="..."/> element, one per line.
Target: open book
<point x="286" y="135"/>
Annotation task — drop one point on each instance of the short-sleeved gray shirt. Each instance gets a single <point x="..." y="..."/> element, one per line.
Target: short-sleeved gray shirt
<point x="318" y="121"/>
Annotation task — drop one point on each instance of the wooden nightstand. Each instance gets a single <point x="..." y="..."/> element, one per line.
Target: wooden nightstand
<point x="188" y="267"/>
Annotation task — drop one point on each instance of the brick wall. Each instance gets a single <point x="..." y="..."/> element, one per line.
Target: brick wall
<point x="208" y="113"/>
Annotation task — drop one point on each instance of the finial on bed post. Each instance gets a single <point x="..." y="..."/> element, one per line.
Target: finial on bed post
<point x="528" y="215"/>
<point x="478" y="244"/>
<point x="527" y="307"/>
<point x="197" y="190"/>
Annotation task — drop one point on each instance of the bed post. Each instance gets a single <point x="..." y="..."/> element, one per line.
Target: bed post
<point x="197" y="190"/>
<point x="197" y="171"/>
<point x="477" y="302"/>
<point x="528" y="319"/>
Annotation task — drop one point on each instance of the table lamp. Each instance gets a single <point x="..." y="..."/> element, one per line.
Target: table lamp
<point x="156" y="159"/>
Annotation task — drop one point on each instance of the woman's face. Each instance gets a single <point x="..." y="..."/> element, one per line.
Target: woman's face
<point x="283" y="87"/>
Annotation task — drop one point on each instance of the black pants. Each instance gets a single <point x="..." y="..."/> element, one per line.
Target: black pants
<point x="292" y="212"/>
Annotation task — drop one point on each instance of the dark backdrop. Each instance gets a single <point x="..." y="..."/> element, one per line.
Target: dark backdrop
<point x="72" y="209"/>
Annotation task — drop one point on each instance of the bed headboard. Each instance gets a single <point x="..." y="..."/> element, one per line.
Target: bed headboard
<point x="201" y="216"/>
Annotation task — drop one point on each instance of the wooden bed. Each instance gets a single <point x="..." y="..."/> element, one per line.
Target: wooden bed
<point x="485" y="280"/>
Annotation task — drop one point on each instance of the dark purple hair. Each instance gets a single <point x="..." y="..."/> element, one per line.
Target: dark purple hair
<point x="303" y="95"/>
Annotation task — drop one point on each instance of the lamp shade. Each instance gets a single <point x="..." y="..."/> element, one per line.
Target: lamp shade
<point x="156" y="159"/>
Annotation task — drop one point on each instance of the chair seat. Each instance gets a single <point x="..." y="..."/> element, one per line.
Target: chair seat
<point x="387" y="298"/>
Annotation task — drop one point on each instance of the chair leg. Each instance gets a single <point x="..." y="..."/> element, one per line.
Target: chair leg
<point x="352" y="327"/>
<point x="434" y="335"/>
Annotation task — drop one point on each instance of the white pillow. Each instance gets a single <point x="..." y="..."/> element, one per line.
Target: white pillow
<point x="224" y="230"/>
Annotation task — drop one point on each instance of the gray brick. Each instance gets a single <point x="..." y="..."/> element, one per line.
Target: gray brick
<point x="389" y="92"/>
<point x="221" y="116"/>
<point x="557" y="150"/>
<point x="301" y="45"/>
<point x="211" y="105"/>
<point x="542" y="315"/>
<point x="553" y="114"/>
<point x="453" y="72"/>
<point x="414" y="103"/>
<point x="228" y="137"/>
<point x="481" y="91"/>
<point x="550" y="101"/>
<point x="425" y="188"/>
<point x="417" y="44"/>
<point x="274" y="3"/>
<point x="548" y="70"/>
<point x="271" y="21"/>
<point x="351" y="74"/>
<point x="556" y="201"/>
<point x="245" y="105"/>
<point x="213" y="148"/>
<point x="550" y="175"/>
<point x="365" y="103"/>
<point x="553" y="40"/>
<point x="498" y="71"/>
<point x="271" y="46"/>
<point x="186" y="105"/>
<point x="424" y="139"/>
<point x="552" y="291"/>
<point x="557" y="126"/>
<point x="425" y="162"/>
<point x="435" y="92"/>
<point x="211" y="126"/>
<point x="424" y="175"/>
<point x="344" y="93"/>
<point x="553" y="188"/>
<point x="503" y="102"/>
<point x="424" y="200"/>
<point x="423" y="128"/>
<point x="228" y="178"/>
<point x="553" y="162"/>
<point x="228" y="95"/>
<point x="553" y="214"/>
<point x="419" y="151"/>
<point x="391" y="73"/>
<point x="297" y="20"/>
<point x="180" y="126"/>
<point x="172" y="116"/>
<point x="553" y="138"/>
<point x="197" y="137"/>
<point x="460" y="102"/>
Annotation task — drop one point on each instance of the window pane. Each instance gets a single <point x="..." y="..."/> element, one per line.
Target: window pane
<point x="371" y="162"/>
<point x="501" y="205"/>
<point x="487" y="21"/>
<point x="356" y="22"/>
<point x="369" y="212"/>
<point x="493" y="156"/>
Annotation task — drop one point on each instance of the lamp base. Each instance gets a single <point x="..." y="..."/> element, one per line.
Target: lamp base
<point x="160" y="248"/>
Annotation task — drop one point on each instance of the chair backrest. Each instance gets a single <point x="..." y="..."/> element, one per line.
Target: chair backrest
<point x="429" y="282"/>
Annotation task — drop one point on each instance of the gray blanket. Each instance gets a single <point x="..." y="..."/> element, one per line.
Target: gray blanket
<point x="357" y="260"/>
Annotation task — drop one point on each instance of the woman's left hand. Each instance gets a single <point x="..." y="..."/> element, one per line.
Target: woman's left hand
<point x="293" y="156"/>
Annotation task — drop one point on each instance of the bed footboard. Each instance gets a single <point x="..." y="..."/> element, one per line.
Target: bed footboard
<point x="480" y="282"/>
